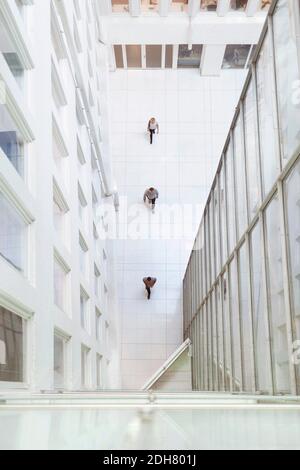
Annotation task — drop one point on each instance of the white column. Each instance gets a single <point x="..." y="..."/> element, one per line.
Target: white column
<point x="135" y="7"/>
<point x="212" y="59"/>
<point x="223" y="7"/>
<point x="252" y="7"/>
<point x="194" y="7"/>
<point x="164" y="7"/>
<point x="105" y="7"/>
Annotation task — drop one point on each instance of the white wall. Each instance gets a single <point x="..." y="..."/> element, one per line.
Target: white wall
<point x="194" y="114"/>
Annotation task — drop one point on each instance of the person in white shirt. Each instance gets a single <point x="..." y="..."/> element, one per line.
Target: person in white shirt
<point x="152" y="128"/>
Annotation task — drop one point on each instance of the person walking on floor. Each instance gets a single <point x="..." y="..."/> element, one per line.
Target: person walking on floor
<point x="152" y="128"/>
<point x="149" y="283"/>
<point x="151" y="195"/>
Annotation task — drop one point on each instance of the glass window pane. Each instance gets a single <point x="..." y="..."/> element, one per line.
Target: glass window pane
<point x="265" y="4"/>
<point x="11" y="141"/>
<point x="236" y="56"/>
<point x="223" y="233"/>
<point x="208" y="5"/>
<point x="209" y="344"/>
<point x="11" y="347"/>
<point x="215" y="359"/>
<point x="227" y="332"/>
<point x="217" y="238"/>
<point x="120" y="6"/>
<point x="189" y="58"/>
<point x="59" y="362"/>
<point x="179" y="5"/>
<point x="260" y="320"/>
<point x="280" y="350"/>
<point x="235" y="328"/>
<point x="230" y="198"/>
<point x="134" y="57"/>
<point x="221" y="359"/>
<point x="60" y="286"/>
<point x="287" y="75"/>
<point x="251" y="152"/>
<point x="270" y="167"/>
<point x="99" y="372"/>
<point x="169" y="56"/>
<point x="240" y="178"/>
<point x="292" y="207"/>
<point x="153" y="56"/>
<point x="246" y="324"/>
<point x="13" y="235"/>
<point x="119" y="57"/>
<point x="150" y="5"/>
<point x="238" y="5"/>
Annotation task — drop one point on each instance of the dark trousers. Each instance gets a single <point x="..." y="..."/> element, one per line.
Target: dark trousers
<point x="149" y="292"/>
<point x="152" y="131"/>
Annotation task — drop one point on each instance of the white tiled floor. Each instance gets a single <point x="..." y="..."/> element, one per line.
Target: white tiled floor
<point x="194" y="115"/>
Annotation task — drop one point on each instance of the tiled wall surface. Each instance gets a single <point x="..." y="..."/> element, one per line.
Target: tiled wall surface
<point x="194" y="114"/>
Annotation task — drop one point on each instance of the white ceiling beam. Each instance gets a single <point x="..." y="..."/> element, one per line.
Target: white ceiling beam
<point x="252" y="7"/>
<point x="193" y="7"/>
<point x="177" y="29"/>
<point x="223" y="7"/>
<point x="164" y="7"/>
<point x="105" y="7"/>
<point x="135" y="7"/>
<point x="212" y="60"/>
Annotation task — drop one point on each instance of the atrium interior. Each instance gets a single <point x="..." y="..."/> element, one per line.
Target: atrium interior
<point x="102" y="104"/>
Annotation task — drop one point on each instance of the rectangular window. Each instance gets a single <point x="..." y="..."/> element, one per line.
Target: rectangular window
<point x="189" y="57"/>
<point x="13" y="61"/>
<point x="235" y="328"/>
<point x="270" y="165"/>
<point x="134" y="56"/>
<point x="230" y="198"/>
<point x="169" y="56"/>
<point x="120" y="6"/>
<point x="59" y="361"/>
<point x="260" y="320"/>
<point x="13" y="235"/>
<point x="240" y="5"/>
<point x="84" y="318"/>
<point x="83" y="250"/>
<point x="11" y="141"/>
<point x="180" y="5"/>
<point x="119" y="57"/>
<point x="280" y="350"/>
<point x="208" y="5"/>
<point x="236" y="56"/>
<point x="97" y="282"/>
<point x="60" y="285"/>
<point x="153" y="56"/>
<point x="12" y="347"/>
<point x="99" y="372"/>
<point x="85" y="367"/>
<point x="240" y="178"/>
<point x="98" y="325"/>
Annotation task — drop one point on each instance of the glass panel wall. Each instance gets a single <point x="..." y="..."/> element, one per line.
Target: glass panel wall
<point x="12" y="347"/>
<point x="248" y="306"/>
<point x="278" y="324"/>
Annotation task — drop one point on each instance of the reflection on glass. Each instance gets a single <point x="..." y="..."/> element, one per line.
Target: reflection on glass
<point x="292" y="204"/>
<point x="246" y="324"/>
<point x="120" y="6"/>
<point x="251" y="146"/>
<point x="278" y="325"/>
<point x="235" y="328"/>
<point x="260" y="321"/>
<point x="153" y="56"/>
<point x="238" y="4"/>
<point x="11" y="347"/>
<point x="11" y="142"/>
<point x="265" y="4"/>
<point x="236" y="56"/>
<point x="59" y="362"/>
<point x="208" y="5"/>
<point x="150" y="5"/>
<point x="15" y="66"/>
<point x="119" y="57"/>
<point x="180" y="5"/>
<point x="189" y="58"/>
<point x="230" y="198"/>
<point x="169" y="56"/>
<point x="270" y="166"/>
<point x="217" y="229"/>
<point x="223" y="217"/>
<point x="134" y="57"/>
<point x="13" y="235"/>
<point x="240" y="177"/>
<point x="287" y="75"/>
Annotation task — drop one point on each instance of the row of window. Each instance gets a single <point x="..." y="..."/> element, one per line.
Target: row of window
<point x="119" y="6"/>
<point x="13" y="355"/>
<point x="242" y="283"/>
<point x="182" y="57"/>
